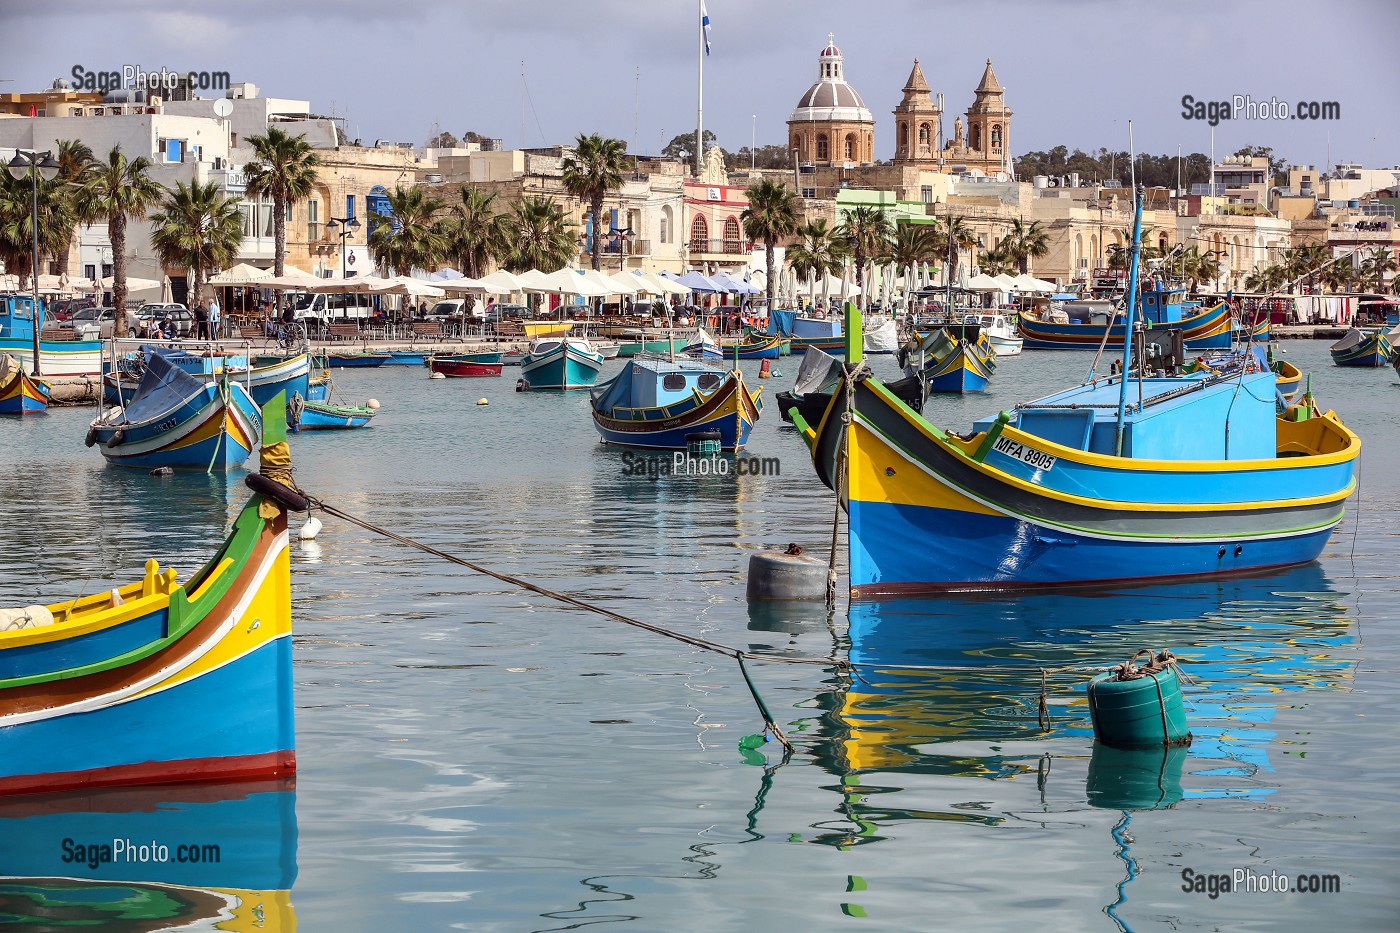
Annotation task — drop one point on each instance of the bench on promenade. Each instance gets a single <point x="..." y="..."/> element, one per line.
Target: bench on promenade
<point x="427" y="329"/>
<point x="349" y="331"/>
<point x="58" y="333"/>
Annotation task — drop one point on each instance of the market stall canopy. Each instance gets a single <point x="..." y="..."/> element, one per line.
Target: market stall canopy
<point x="504" y="279"/>
<point x="660" y="284"/>
<point x="445" y="274"/>
<point x="736" y="284"/>
<point x="1029" y="283"/>
<point x="241" y="274"/>
<point x="409" y="287"/>
<point x="293" y="279"/>
<point x="698" y="283"/>
<point x="830" y="286"/>
<point x="465" y="285"/>
<point x="983" y="283"/>
<point x="573" y="282"/>
<point x="360" y="284"/>
<point x="59" y="284"/>
<point x="1008" y="282"/>
<point x="132" y="284"/>
<point x="614" y="286"/>
<point x="533" y="280"/>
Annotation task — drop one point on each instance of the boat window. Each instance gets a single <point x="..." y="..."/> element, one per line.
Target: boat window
<point x="673" y="382"/>
<point x="708" y="381"/>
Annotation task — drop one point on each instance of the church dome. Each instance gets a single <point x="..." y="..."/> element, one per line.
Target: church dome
<point x="831" y="98"/>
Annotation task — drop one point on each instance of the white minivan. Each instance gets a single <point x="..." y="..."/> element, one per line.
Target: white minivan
<point x="315" y="310"/>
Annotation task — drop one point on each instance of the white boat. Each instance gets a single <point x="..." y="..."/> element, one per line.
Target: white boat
<point x="1005" y="341"/>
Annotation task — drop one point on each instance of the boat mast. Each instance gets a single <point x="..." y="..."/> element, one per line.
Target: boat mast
<point x="1129" y="319"/>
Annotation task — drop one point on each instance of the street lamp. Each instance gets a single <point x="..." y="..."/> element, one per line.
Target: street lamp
<point x="624" y="236"/>
<point x="27" y="163"/>
<point x="351" y="224"/>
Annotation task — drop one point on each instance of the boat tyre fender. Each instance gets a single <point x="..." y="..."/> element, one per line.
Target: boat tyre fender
<point x="91" y="437"/>
<point x="117" y="437"/>
<point x="285" y="496"/>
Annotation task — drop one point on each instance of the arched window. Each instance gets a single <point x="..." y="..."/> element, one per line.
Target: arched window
<point x="1078" y="251"/>
<point x="851" y="148"/>
<point x="904" y="136"/>
<point x="996" y="136"/>
<point x="924" y="134"/>
<point x="699" y="235"/>
<point x="666" y="222"/>
<point x="732" y="241"/>
<point x="976" y="138"/>
<point x="823" y="148"/>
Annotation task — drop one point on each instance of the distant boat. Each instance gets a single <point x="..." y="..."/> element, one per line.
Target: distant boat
<point x="175" y="419"/>
<point x="158" y="681"/>
<point x="485" y="357"/>
<point x="1000" y="332"/>
<point x="948" y="362"/>
<point x="817" y="378"/>
<point x="882" y="338"/>
<point x="656" y="402"/>
<point x="19" y="394"/>
<point x="757" y="348"/>
<point x="634" y="343"/>
<point x="465" y="365"/>
<point x="824" y="334"/>
<point x="607" y="351"/>
<point x="268" y="377"/>
<point x="1290" y="378"/>
<point x="562" y="363"/>
<point x="303" y="415"/>
<point x="1368" y="348"/>
<point x="1085" y="322"/>
<point x="407" y="358"/>
<point x="356" y="360"/>
<point x="704" y="346"/>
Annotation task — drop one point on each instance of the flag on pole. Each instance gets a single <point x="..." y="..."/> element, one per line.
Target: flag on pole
<point x="705" y="25"/>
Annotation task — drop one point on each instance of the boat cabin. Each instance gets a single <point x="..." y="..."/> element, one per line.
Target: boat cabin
<point x="1204" y="416"/>
<point x="787" y="323"/>
<point x="658" y="382"/>
<point x="17" y="316"/>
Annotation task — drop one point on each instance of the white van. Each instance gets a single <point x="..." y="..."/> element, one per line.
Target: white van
<point x="316" y="309"/>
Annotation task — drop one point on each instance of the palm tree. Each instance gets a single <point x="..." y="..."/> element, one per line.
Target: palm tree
<point x="118" y="190"/>
<point x="818" y="252"/>
<point x="73" y="157"/>
<point x="475" y="232"/>
<point x="286" y="169"/>
<point x="771" y="216"/>
<point x="594" y="170"/>
<point x="954" y="236"/>
<point x="1026" y="241"/>
<point x="1375" y="268"/>
<point x="1199" y="266"/>
<point x="411" y="235"/>
<point x="997" y="261"/>
<point x="541" y="236"/>
<point x="868" y="231"/>
<point x="56" y="222"/>
<point x="912" y="245"/>
<point x="197" y="227"/>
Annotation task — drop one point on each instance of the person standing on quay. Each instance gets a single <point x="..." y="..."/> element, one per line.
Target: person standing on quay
<point x="201" y="321"/>
<point x="214" y="317"/>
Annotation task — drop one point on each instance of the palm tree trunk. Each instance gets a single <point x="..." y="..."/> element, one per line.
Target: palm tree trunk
<point x="279" y="229"/>
<point x="768" y="254"/>
<point x="116" y="231"/>
<point x="596" y="207"/>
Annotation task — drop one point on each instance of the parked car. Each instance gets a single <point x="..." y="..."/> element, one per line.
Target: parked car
<point x="99" y="323"/>
<point x="65" y="308"/>
<point x="180" y="316"/>
<point x="501" y="311"/>
<point x="449" y="307"/>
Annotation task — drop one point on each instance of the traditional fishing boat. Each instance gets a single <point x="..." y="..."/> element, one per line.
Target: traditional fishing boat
<point x="264" y="377"/>
<point x="363" y="360"/>
<point x="999" y="331"/>
<point x="560" y="363"/>
<point x="803" y="332"/>
<point x="655" y="402"/>
<point x="1362" y="347"/>
<point x="407" y="358"/>
<point x="19" y="394"/>
<point x="1290" y="378"/>
<point x="634" y="343"/>
<point x="1118" y="480"/>
<point x="57" y="357"/>
<point x="219" y="856"/>
<point x="1084" y="323"/>
<point x="160" y="681"/>
<point x="465" y="365"/>
<point x="304" y="415"/>
<point x="757" y="347"/>
<point x="175" y="419"/>
<point x="704" y="346"/>
<point x="950" y="363"/>
<point x="484" y="357"/>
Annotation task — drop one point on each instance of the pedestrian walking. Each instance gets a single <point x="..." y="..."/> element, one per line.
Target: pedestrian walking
<point x="214" y="318"/>
<point x="201" y="321"/>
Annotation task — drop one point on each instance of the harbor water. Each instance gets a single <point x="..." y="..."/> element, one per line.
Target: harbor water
<point x="473" y="756"/>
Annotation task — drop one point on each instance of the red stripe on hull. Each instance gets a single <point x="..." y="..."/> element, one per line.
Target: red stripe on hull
<point x="187" y="771"/>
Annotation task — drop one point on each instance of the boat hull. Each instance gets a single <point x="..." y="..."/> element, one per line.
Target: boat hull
<point x="564" y="367"/>
<point x="769" y="349"/>
<point x="321" y="417"/>
<point x="930" y="512"/>
<point x="57" y="357"/>
<point x="960" y="371"/>
<point x="174" y="685"/>
<point x="1373" y="352"/>
<point x="836" y="346"/>
<point x="456" y="368"/>
<point x="356" y="360"/>
<point x="406" y="358"/>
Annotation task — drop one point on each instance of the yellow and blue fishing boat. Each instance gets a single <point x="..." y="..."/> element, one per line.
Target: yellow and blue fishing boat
<point x="19" y="394"/>
<point x="264" y="377"/>
<point x="176" y="419"/>
<point x="1118" y="480"/>
<point x="823" y="333"/>
<point x="950" y="363"/>
<point x="758" y="347"/>
<point x="1162" y="307"/>
<point x="1362" y="347"/>
<point x="161" y="681"/>
<point x="655" y="403"/>
<point x="216" y="856"/>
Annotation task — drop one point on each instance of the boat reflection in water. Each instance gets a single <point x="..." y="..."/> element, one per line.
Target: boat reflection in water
<point x="1250" y="643"/>
<point x="216" y="856"/>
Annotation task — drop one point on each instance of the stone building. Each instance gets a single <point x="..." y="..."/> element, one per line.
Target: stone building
<point x="831" y="124"/>
<point x="979" y="145"/>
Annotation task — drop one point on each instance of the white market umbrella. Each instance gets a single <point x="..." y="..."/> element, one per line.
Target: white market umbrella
<point x="293" y="279"/>
<point x="408" y="287"/>
<point x="982" y="282"/>
<point x="504" y="279"/>
<point x="241" y="274"/>
<point x="466" y="286"/>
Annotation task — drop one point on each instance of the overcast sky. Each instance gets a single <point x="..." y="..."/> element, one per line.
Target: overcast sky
<point x="1075" y="70"/>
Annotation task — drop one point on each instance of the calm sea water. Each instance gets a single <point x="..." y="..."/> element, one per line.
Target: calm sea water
<point x="475" y="757"/>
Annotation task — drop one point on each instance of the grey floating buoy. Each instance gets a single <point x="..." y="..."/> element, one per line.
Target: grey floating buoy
<point x="791" y="575"/>
<point x="163" y="471"/>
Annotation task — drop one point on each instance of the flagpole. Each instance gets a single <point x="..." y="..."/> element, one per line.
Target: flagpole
<point x="700" y="95"/>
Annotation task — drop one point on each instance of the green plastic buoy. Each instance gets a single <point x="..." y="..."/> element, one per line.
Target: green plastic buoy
<point x="1143" y="712"/>
<point x="750" y="742"/>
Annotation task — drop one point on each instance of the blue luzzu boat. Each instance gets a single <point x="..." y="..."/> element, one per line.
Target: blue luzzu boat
<point x="265" y="378"/>
<point x="19" y="394"/>
<point x="655" y="402"/>
<point x="560" y="363"/>
<point x="1369" y="348"/>
<point x="759" y="348"/>
<point x="175" y="419"/>
<point x="825" y="334"/>
<point x="1115" y="481"/>
<point x="161" y="681"/>
<point x="321" y="415"/>
<point x="1162" y="307"/>
<point x="57" y="357"/>
<point x="949" y="363"/>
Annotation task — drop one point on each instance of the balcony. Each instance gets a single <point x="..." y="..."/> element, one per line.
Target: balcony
<point x="719" y="248"/>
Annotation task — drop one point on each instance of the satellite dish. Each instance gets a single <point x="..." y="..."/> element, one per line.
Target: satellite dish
<point x="223" y="107"/>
